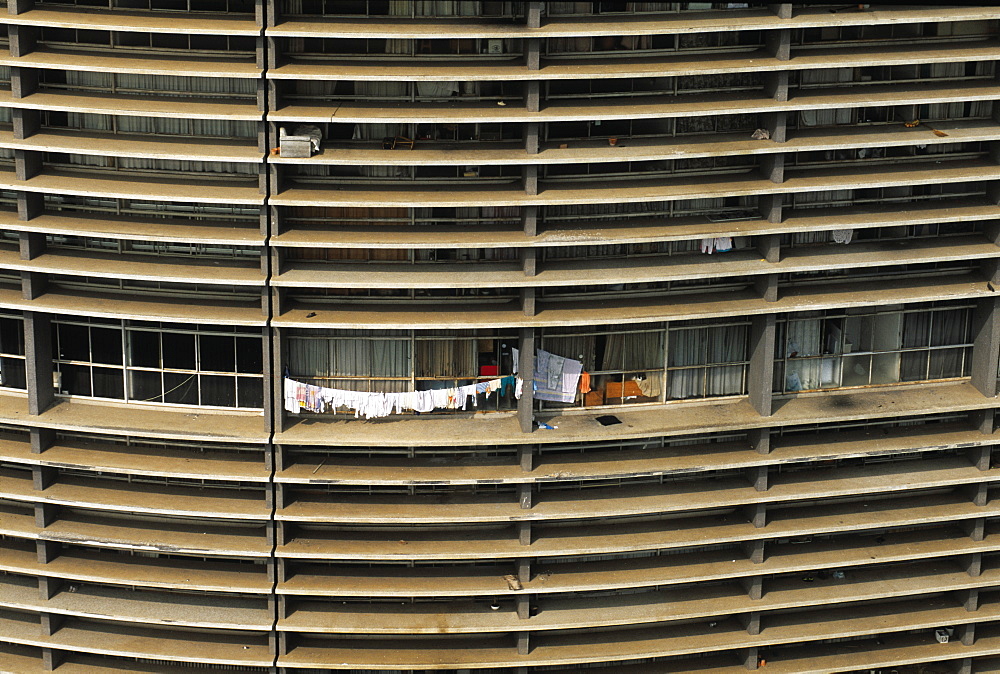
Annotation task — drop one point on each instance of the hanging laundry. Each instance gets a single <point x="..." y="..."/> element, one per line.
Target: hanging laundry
<point x="299" y="397"/>
<point x="842" y="235"/>
<point x="723" y="244"/>
<point x="556" y="378"/>
<point x="708" y="246"/>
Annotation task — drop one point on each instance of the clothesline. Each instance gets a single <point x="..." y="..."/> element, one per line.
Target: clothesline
<point x="302" y="397"/>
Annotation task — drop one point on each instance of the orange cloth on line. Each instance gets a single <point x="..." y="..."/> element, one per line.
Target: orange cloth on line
<point x="584" y="382"/>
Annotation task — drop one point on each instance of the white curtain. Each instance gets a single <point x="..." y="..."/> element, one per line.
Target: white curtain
<point x="362" y="362"/>
<point x="825" y="76"/>
<point x="435" y="7"/>
<point x="709" y="348"/>
<point x="803" y="338"/>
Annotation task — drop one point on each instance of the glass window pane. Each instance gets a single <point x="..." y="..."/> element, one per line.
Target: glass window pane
<point x="74" y="342"/>
<point x="12" y="373"/>
<point x="686" y="347"/>
<point x="250" y="391"/>
<point x="913" y="366"/>
<point x="180" y="388"/>
<point x="856" y="370"/>
<point x="950" y="327"/>
<point x="145" y="386"/>
<point x="218" y="391"/>
<point x="916" y="328"/>
<point x="249" y="356"/>
<point x="946" y="363"/>
<point x="106" y="345"/>
<point x="144" y="348"/>
<point x="178" y="351"/>
<point x="75" y="379"/>
<point x="217" y="353"/>
<point x="109" y="382"/>
<point x="12" y="336"/>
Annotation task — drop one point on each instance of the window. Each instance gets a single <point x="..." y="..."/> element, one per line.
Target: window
<point x="142" y="362"/>
<point x="655" y="363"/>
<point x="863" y="347"/>
<point x="401" y="360"/>
<point x="12" y="352"/>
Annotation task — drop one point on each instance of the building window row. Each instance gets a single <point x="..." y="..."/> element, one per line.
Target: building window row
<point x="151" y="363"/>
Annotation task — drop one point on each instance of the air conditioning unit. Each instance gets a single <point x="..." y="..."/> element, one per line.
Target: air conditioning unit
<point x="494" y="46"/>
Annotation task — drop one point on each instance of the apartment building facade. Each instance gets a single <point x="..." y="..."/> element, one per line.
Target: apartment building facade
<point x="767" y="234"/>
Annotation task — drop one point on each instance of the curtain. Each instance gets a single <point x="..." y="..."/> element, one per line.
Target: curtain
<point x="323" y="359"/>
<point x="935" y="329"/>
<point x="825" y="76"/>
<point x="803" y="338"/>
<point x="455" y="358"/>
<point x="954" y="109"/>
<point x="435" y="7"/>
<point x="727" y="344"/>
<point x="685" y="349"/>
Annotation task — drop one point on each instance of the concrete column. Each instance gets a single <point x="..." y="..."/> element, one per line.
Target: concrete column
<point x="22" y="39"/>
<point x="778" y="43"/>
<point x="526" y="369"/>
<point x="532" y="53"/>
<point x="27" y="164"/>
<point x="19" y="6"/>
<point x="760" y="370"/>
<point x="772" y="167"/>
<point x="30" y="244"/>
<point x="529" y="219"/>
<point x="23" y="81"/>
<point x="273" y="385"/>
<point x="530" y="173"/>
<point x="30" y="205"/>
<point x="782" y="10"/>
<point x="528" y="304"/>
<point x="529" y="261"/>
<point x="985" y="346"/>
<point x="776" y="85"/>
<point x="532" y="96"/>
<point x="531" y="137"/>
<point x="274" y="373"/>
<point x="533" y="14"/>
<point x="38" y="361"/>
<point x="26" y="122"/>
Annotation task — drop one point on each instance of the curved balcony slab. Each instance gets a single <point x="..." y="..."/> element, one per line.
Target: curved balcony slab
<point x="156" y="421"/>
<point x="853" y="517"/>
<point x="434" y="153"/>
<point x="555" y="273"/>
<point x="640" y="309"/>
<point x="134" y="63"/>
<point x="758" y="18"/>
<point x="137" y="229"/>
<point x="636" y="500"/>
<point x="635" y="107"/>
<point x="193" y="463"/>
<point x="548" y="468"/>
<point x="99" y="567"/>
<point x="137" y="106"/>
<point x="640" y="230"/>
<point x="135" y="267"/>
<point x="420" y="69"/>
<point x="136" y="146"/>
<point x="82" y="18"/>
<point x="205" y="538"/>
<point x="148" y="607"/>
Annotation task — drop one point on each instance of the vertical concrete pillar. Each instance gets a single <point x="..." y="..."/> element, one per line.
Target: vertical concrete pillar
<point x="526" y="369"/>
<point x="38" y="361"/>
<point x="760" y="370"/>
